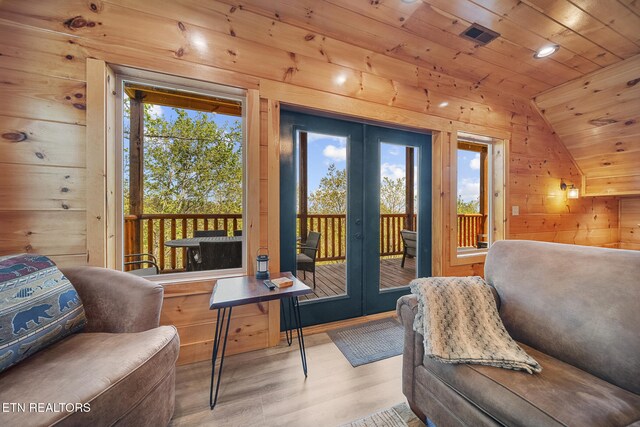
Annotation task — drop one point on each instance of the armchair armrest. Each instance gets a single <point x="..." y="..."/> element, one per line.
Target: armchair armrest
<point x="308" y="247"/>
<point x="115" y="301"/>
<point x="413" y="352"/>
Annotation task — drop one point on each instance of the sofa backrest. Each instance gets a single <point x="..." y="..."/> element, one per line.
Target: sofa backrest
<point x="579" y="304"/>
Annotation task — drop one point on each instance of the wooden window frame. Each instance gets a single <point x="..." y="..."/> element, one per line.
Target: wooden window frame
<point x="496" y="216"/>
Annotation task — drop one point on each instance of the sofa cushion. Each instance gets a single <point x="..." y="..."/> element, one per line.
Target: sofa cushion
<point x="38" y="307"/>
<point x="578" y="304"/>
<point x="560" y="395"/>
<point x="110" y="372"/>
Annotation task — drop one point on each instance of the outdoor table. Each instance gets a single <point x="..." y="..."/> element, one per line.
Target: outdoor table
<point x="192" y="243"/>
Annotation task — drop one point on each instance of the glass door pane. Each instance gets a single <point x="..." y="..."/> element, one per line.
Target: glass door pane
<point x="397" y="192"/>
<point x="322" y="213"/>
<point x="398" y="215"/>
<point x="321" y="208"/>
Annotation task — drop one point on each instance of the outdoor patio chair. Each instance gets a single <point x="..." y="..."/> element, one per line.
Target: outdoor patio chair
<point x="145" y="271"/>
<point x="409" y="243"/>
<point x="194" y="254"/>
<point x="219" y="255"/>
<point x="306" y="259"/>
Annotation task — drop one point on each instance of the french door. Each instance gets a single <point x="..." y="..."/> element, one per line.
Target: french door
<point x="353" y="196"/>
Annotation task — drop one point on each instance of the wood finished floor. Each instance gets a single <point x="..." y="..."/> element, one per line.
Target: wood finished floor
<point x="267" y="388"/>
<point x="330" y="278"/>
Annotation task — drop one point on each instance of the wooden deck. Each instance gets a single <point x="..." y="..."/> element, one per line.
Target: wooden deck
<point x="330" y="278"/>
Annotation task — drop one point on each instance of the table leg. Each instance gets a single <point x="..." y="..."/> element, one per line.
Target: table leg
<point x="303" y="353"/>
<point x="220" y="325"/>
<point x="288" y="330"/>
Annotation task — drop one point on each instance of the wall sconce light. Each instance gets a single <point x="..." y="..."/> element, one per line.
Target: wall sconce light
<point x="572" y="191"/>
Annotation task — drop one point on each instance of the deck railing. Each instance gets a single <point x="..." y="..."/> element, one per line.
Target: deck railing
<point x="156" y="229"/>
<point x="469" y="226"/>
<point x="332" y="229"/>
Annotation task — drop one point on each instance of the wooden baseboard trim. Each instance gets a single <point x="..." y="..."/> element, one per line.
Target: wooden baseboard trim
<point x="319" y="329"/>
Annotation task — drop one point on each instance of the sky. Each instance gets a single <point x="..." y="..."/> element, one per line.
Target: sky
<point x="468" y="175"/>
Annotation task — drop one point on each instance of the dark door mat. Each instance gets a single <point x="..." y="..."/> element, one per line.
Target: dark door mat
<point x="369" y="342"/>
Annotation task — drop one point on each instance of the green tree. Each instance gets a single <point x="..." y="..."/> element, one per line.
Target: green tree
<point x="191" y="165"/>
<point x="331" y="195"/>
<point x="392" y="195"/>
<point x="470" y="207"/>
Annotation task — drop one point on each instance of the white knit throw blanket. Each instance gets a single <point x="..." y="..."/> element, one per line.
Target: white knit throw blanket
<point x="458" y="318"/>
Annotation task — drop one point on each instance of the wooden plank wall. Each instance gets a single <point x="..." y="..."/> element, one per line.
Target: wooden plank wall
<point x="597" y="119"/>
<point x="43" y="143"/>
<point x="630" y="223"/>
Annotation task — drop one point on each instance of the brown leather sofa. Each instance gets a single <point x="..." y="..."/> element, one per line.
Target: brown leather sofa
<point x="122" y="364"/>
<point x="576" y="310"/>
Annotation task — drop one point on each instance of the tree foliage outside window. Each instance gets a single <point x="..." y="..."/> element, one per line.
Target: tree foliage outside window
<point x="191" y="164"/>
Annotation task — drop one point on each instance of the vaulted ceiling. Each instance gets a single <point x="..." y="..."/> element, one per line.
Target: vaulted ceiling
<point x="596" y="106"/>
<point x="591" y="34"/>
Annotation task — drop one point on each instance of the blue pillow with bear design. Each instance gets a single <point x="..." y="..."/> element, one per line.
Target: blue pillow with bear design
<point x="38" y="307"/>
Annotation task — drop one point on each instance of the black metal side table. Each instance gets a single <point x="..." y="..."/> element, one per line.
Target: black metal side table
<point x="228" y="293"/>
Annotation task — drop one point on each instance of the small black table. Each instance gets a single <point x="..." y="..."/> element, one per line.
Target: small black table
<point x="228" y="293"/>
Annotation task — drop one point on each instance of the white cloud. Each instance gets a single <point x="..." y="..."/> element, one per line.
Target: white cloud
<point x="394" y="151"/>
<point x="338" y="154"/>
<point x="156" y="111"/>
<point x="335" y="140"/>
<point x="393" y="171"/>
<point x="475" y="162"/>
<point x="469" y="189"/>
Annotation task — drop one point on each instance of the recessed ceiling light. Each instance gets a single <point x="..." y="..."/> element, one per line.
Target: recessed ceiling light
<point x="443" y="104"/>
<point x="546" y="51"/>
<point x="340" y="79"/>
<point x="408" y="1"/>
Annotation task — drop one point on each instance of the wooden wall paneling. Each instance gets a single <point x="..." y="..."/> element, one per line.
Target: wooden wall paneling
<point x="111" y="180"/>
<point x="630" y="223"/>
<point x="42" y="188"/>
<point x="48" y="53"/>
<point x="41" y="143"/>
<point x="598" y="119"/>
<point x="96" y="163"/>
<point x="440" y="182"/>
<point x="253" y="179"/>
<point x="612" y="186"/>
<point x="43" y="232"/>
<point x="36" y="96"/>
<point x="268" y="62"/>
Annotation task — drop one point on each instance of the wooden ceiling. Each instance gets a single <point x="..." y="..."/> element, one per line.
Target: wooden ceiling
<point x="598" y="119"/>
<point x="592" y="34"/>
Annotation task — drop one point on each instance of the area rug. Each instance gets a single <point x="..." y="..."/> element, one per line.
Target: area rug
<point x="369" y="342"/>
<point x="398" y="416"/>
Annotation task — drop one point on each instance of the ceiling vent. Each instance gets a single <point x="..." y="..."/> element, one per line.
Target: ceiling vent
<point x="479" y="34"/>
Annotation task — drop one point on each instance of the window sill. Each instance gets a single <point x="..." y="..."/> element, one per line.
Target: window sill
<point x="469" y="256"/>
<point x="194" y="276"/>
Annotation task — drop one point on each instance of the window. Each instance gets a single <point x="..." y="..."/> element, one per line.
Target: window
<point x="474" y="204"/>
<point x="183" y="178"/>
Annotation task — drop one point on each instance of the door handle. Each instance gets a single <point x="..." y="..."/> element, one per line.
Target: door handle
<point x="358" y="221"/>
<point x="358" y="236"/>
